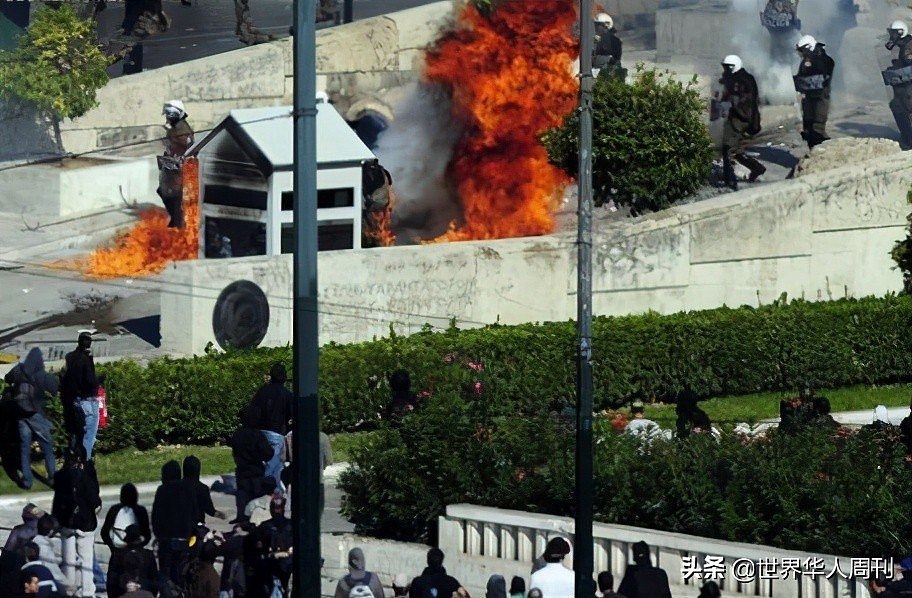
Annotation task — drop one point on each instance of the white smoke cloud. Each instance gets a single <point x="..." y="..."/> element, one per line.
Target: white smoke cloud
<point x="416" y="149"/>
<point x="762" y="55"/>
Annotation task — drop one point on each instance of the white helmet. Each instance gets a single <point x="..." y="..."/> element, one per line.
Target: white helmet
<point x="901" y="27"/>
<point x="360" y="591"/>
<point x="604" y="17"/>
<point x="733" y="61"/>
<point x="806" y="42"/>
<point x="174" y="109"/>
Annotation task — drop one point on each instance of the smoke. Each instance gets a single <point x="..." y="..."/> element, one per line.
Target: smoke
<point x="768" y="58"/>
<point x="416" y="149"/>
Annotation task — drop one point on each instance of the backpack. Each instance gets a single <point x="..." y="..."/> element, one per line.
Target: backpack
<point x="125" y="518"/>
<point x="26" y="398"/>
<point x="361" y="591"/>
<point x="350" y="585"/>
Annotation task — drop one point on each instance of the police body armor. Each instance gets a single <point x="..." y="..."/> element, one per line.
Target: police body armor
<point x="779" y="20"/>
<point x="809" y="83"/>
<point x="897" y="75"/>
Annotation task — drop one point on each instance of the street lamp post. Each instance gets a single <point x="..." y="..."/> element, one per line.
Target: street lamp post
<point x="305" y="508"/>
<point x="582" y="552"/>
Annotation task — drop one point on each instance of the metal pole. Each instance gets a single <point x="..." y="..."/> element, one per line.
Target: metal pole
<point x="348" y="11"/>
<point x="582" y="550"/>
<point x="305" y="508"/>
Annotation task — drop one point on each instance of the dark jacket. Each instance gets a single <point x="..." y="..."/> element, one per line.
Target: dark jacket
<point x="273" y="408"/>
<point x="21" y="535"/>
<point x="905" y="430"/>
<point x="46" y="584"/>
<point x="250" y="450"/>
<point x="608" y="47"/>
<point x="133" y="562"/>
<point x="205" y="581"/>
<point x="741" y="90"/>
<point x="644" y="581"/>
<point x="79" y="380"/>
<point x="433" y="577"/>
<point x="818" y="62"/>
<point x="76" y="496"/>
<point x="174" y="507"/>
<point x="200" y="491"/>
<point x="31" y="370"/>
<point x="179" y="138"/>
<point x="128" y="498"/>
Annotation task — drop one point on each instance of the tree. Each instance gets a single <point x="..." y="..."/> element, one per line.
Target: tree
<point x="57" y="67"/>
<point x="650" y="146"/>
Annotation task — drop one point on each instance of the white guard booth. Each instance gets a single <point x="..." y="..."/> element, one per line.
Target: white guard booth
<point x="246" y="189"/>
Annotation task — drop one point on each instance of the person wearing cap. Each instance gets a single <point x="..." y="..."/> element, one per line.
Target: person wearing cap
<point x="641" y="579"/>
<point x="23" y="533"/>
<point x="358" y="575"/>
<point x="742" y="97"/>
<point x="608" y="47"/>
<point x="434" y="580"/>
<point x="178" y="139"/>
<point x="554" y="580"/>
<point x="79" y="395"/>
<point x="815" y="74"/>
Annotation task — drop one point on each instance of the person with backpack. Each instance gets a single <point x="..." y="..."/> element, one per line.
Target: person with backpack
<point x="358" y="575"/>
<point x="433" y="581"/>
<point x="274" y="545"/>
<point x="30" y="385"/>
<point x="76" y="498"/>
<point x="122" y="515"/>
<point x="132" y="561"/>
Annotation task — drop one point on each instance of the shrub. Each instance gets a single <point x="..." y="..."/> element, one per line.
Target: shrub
<point x="650" y="147"/>
<point x="815" y="491"/>
<point x="902" y="252"/>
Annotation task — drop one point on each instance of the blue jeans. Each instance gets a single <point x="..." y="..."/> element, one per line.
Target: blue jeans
<point x="89" y="408"/>
<point x="274" y="465"/>
<point x="38" y="427"/>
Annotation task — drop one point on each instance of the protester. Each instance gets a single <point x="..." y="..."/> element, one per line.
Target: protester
<point x="710" y="590"/>
<point x="250" y="450"/>
<point x="23" y="533"/>
<point x="434" y="580"/>
<point x="233" y="578"/>
<point x="517" y="587"/>
<point x="122" y="515"/>
<point x="555" y="580"/>
<point x="497" y="587"/>
<point x="173" y="523"/>
<point x="606" y="586"/>
<point x="79" y="395"/>
<point x="31" y="385"/>
<point x="50" y="549"/>
<point x="403" y="400"/>
<point x="132" y="562"/>
<point x="274" y="545"/>
<point x="903" y="586"/>
<point x="34" y="567"/>
<point x="641" y="579"/>
<point x="640" y="427"/>
<point x="76" y="498"/>
<point x="273" y="409"/>
<point x="204" y="506"/>
<point x="202" y="578"/>
<point x="133" y="589"/>
<point x="540" y="562"/>
<point x="358" y="575"/>
<point x="689" y="414"/>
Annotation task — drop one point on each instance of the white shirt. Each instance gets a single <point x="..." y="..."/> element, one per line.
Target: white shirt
<point x="554" y="581"/>
<point x="642" y="427"/>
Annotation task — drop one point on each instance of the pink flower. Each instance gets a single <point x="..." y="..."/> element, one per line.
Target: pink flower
<point x="424" y="394"/>
<point x="449" y="358"/>
<point x="475" y="366"/>
<point x="478" y="388"/>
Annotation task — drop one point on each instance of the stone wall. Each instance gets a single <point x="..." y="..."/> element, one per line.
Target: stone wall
<point x="365" y="59"/>
<point x="821" y="236"/>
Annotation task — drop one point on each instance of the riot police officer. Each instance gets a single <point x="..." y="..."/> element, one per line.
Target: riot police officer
<point x="899" y="76"/>
<point x="607" y="50"/>
<point x="741" y="98"/>
<point x="815" y="74"/>
<point x="178" y="139"/>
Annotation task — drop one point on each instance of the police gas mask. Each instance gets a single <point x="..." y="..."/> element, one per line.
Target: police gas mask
<point x="895" y="36"/>
<point x="172" y="115"/>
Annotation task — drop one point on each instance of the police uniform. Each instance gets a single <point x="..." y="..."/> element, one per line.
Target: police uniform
<point x="606" y="55"/>
<point x="178" y="140"/>
<point x="901" y="104"/>
<point x="815" y="105"/>
<point x="743" y="121"/>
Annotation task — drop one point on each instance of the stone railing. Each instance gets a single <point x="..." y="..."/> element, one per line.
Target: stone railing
<point x="516" y="536"/>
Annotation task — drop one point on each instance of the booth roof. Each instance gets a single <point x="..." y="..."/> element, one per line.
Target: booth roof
<point x="267" y="135"/>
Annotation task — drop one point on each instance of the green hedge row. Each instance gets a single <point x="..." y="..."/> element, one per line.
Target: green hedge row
<point x="815" y="491"/>
<point x="718" y="352"/>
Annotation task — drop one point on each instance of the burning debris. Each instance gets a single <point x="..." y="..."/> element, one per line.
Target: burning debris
<point x="510" y="79"/>
<point x="151" y="245"/>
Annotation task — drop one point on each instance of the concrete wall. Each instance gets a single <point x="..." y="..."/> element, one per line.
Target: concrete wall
<point x="365" y="59"/>
<point x="820" y="236"/>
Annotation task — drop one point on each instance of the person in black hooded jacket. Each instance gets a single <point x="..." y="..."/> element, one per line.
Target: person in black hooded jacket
<point x="250" y="450"/>
<point x="76" y="499"/>
<point x="173" y="522"/>
<point x="434" y="577"/>
<point x="132" y="561"/>
<point x="273" y="408"/>
<point x="204" y="506"/>
<point x="36" y="424"/>
<point x="129" y="499"/>
<point x="641" y="579"/>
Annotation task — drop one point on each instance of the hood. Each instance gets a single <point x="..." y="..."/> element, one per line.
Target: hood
<point x="356" y="560"/>
<point x="277" y="374"/>
<point x="31" y="513"/>
<point x="497" y="587"/>
<point x="171" y="472"/>
<point x="192" y="468"/>
<point x="129" y="497"/>
<point x="33" y="364"/>
<point x="247" y="416"/>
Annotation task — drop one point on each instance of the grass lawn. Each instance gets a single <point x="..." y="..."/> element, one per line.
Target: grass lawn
<point x="755" y="407"/>
<point x="136" y="466"/>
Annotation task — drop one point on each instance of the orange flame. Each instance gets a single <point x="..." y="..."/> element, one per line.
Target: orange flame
<point x="510" y="78"/>
<point x="150" y="245"/>
<point x="377" y="225"/>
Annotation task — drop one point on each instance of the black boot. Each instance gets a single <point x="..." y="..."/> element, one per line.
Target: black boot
<point x="755" y="166"/>
<point x="728" y="172"/>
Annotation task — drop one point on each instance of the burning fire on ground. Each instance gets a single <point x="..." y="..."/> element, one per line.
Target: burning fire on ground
<point x="150" y="245"/>
<point x="510" y="80"/>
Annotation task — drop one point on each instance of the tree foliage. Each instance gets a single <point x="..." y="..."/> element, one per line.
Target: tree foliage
<point x="58" y="65"/>
<point x="902" y="252"/>
<point x="650" y="147"/>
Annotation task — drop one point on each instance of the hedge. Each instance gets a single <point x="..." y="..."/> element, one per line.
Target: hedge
<point x="816" y="491"/>
<point x="717" y="352"/>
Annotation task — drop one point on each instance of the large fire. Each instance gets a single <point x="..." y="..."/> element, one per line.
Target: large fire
<point x="510" y="80"/>
<point x="150" y="245"/>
